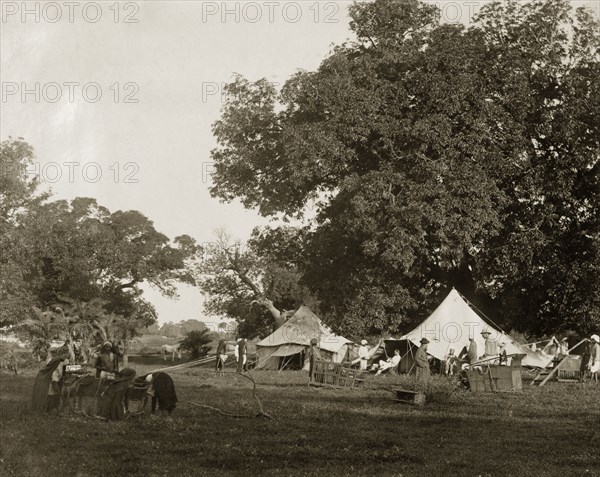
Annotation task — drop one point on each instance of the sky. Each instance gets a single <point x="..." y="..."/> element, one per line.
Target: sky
<point x="118" y="99"/>
<point x="122" y="111"/>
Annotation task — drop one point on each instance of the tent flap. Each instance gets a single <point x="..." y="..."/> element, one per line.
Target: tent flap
<point x="287" y="350"/>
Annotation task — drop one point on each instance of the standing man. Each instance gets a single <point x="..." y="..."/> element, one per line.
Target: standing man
<point x="313" y="355"/>
<point x="423" y="374"/>
<point x="491" y="345"/>
<point x="221" y="357"/>
<point x="472" y="352"/>
<point x="594" y="363"/>
<point x="363" y="354"/>
<point x="563" y="347"/>
<point x="240" y="354"/>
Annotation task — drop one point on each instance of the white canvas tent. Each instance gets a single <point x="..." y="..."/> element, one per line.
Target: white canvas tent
<point x="451" y="325"/>
<point x="294" y="336"/>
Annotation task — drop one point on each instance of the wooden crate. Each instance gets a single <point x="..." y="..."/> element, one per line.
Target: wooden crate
<point x="568" y="376"/>
<point x="326" y="373"/>
<point x="405" y="396"/>
<point x="495" y="378"/>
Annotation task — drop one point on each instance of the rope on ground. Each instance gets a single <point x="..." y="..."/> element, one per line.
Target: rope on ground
<point x="223" y="413"/>
<point x="261" y="411"/>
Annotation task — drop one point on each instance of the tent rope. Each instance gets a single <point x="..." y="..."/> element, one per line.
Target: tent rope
<point x="480" y="312"/>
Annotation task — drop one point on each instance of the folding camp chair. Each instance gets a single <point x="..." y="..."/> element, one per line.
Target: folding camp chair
<point x="386" y="371"/>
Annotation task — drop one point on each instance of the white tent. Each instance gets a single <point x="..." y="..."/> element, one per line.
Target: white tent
<point x="452" y="324"/>
<point x="294" y="336"/>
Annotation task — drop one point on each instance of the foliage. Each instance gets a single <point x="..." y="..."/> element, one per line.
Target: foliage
<point x="171" y="330"/>
<point x="434" y="156"/>
<point x="18" y="194"/>
<point x="191" y="325"/>
<point x="78" y="251"/>
<point x="255" y="282"/>
<point x="439" y="389"/>
<point x="76" y="264"/>
<point x="195" y="341"/>
<point x="41" y="329"/>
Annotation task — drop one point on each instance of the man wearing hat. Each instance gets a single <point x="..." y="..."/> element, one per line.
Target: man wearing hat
<point x="594" y="363"/>
<point x="104" y="361"/>
<point x="491" y="345"/>
<point x="423" y="374"/>
<point x="363" y="354"/>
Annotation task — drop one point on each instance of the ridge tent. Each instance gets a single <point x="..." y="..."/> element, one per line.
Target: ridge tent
<point x="286" y="343"/>
<point x="451" y="325"/>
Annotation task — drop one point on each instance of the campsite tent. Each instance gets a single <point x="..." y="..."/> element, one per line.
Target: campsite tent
<point x="451" y="325"/>
<point x="286" y="344"/>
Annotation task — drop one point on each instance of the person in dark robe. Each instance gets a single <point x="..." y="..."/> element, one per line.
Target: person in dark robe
<point x="47" y="387"/>
<point x="221" y="357"/>
<point x="423" y="373"/>
<point x="111" y="404"/>
<point x="162" y="390"/>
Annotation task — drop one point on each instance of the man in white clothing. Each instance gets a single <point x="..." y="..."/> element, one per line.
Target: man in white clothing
<point x="390" y="363"/>
<point x="363" y="354"/>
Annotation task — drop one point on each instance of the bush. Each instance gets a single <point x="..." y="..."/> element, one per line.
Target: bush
<point x="439" y="389"/>
<point x="195" y="342"/>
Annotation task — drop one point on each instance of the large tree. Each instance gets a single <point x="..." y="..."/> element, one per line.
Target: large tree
<point x="435" y="156"/>
<point x="18" y="196"/>
<point x="65" y="257"/>
<point x="256" y="283"/>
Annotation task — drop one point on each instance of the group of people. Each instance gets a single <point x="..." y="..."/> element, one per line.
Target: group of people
<point x="111" y="385"/>
<point x="494" y="352"/>
<point x="240" y="353"/>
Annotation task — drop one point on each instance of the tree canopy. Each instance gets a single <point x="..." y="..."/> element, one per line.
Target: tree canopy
<point x="435" y="155"/>
<point x="76" y="256"/>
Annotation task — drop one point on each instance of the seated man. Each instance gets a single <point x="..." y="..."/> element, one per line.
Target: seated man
<point x="450" y="361"/>
<point x="503" y="358"/>
<point x="389" y="363"/>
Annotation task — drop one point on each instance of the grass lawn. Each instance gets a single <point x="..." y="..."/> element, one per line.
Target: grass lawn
<point x="549" y="431"/>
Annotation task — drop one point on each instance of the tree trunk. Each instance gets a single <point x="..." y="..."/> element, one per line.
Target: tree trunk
<point x="125" y="357"/>
<point x="275" y="313"/>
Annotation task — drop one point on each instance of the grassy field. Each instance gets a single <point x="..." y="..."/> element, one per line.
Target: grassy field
<point x="550" y="431"/>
